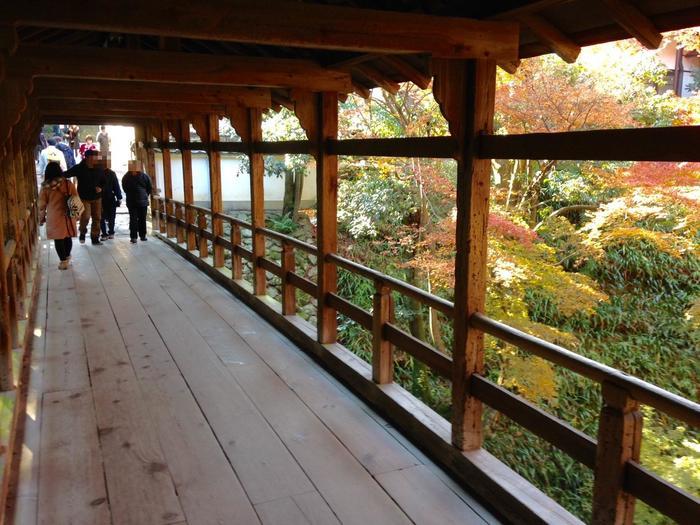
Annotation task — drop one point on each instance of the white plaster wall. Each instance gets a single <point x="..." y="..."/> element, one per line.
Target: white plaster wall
<point x="235" y="182"/>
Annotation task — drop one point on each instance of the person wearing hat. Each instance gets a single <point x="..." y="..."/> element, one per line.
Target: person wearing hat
<point x="51" y="154"/>
<point x="91" y="179"/>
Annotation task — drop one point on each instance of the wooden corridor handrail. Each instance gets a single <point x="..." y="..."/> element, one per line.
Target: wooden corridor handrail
<point x="672" y="404"/>
<point x="669" y="403"/>
<point x="428" y="299"/>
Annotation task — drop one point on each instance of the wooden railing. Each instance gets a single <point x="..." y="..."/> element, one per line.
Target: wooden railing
<point x="613" y="457"/>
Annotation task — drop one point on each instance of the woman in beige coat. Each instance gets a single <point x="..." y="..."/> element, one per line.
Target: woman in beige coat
<point x="54" y="212"/>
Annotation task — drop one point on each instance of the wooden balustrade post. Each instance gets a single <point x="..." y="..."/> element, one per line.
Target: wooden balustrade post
<point x="289" y="294"/>
<point x="382" y="350"/>
<point x="466" y="92"/>
<point x="236" y="261"/>
<point x="167" y="180"/>
<point x="619" y="440"/>
<point x="202" y="225"/>
<point x="257" y="201"/>
<point x="217" y="205"/>
<point x="327" y="208"/>
<point x="188" y="187"/>
<point x="179" y="229"/>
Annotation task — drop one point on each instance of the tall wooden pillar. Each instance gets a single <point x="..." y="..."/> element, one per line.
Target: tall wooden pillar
<point x="188" y="186"/>
<point x="466" y="90"/>
<point x="327" y="204"/>
<point x="150" y="167"/>
<point x="13" y="278"/>
<point x="257" y="200"/>
<point x="6" y="381"/>
<point x="216" y="197"/>
<point x="167" y="179"/>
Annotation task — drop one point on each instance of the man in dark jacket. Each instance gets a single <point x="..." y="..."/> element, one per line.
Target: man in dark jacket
<point x="111" y="200"/>
<point x="65" y="149"/>
<point x="137" y="188"/>
<point x="91" y="180"/>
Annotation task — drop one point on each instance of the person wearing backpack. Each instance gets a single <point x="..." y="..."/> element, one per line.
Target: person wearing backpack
<point x="137" y="188"/>
<point x="91" y="179"/>
<point x="54" y="212"/>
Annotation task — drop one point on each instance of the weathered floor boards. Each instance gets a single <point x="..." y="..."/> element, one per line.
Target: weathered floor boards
<point x="184" y="407"/>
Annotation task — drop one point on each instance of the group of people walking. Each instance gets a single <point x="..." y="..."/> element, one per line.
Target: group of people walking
<point x="99" y="194"/>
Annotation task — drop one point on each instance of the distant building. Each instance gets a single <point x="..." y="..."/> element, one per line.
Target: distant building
<point x="683" y="69"/>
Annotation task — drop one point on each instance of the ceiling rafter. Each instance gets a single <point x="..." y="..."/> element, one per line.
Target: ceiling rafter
<point x="284" y="23"/>
<point x="150" y="92"/>
<point x="632" y="20"/>
<point x="550" y="35"/>
<point x="168" y="66"/>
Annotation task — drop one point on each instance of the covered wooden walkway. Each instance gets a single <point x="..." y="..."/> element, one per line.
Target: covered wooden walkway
<point x="157" y="397"/>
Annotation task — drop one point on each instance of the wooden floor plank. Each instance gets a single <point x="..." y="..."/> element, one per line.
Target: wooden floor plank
<point x="26" y="504"/>
<point x="140" y="485"/>
<point x="305" y="509"/>
<point x="426" y="499"/>
<point x="335" y="472"/>
<point x="71" y="479"/>
<point x="338" y="476"/>
<point x="204" y="408"/>
<point x="374" y="447"/>
<point x="331" y="402"/>
<point x="65" y="364"/>
<point x="265" y="467"/>
<point x="207" y="486"/>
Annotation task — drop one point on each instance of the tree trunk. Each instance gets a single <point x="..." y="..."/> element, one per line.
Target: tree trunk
<point x="288" y="200"/>
<point x="298" y="189"/>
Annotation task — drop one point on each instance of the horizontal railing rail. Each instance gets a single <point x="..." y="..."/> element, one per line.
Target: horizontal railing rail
<point x="644" y="392"/>
<point x="641" y="483"/>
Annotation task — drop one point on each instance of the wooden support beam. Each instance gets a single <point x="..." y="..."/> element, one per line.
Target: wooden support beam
<point x="257" y="200"/>
<point x="81" y="106"/>
<point x="510" y="67"/>
<point x="619" y="440"/>
<point x="285" y="23"/>
<point x="360" y="89"/>
<point x="550" y="35"/>
<point x="377" y="77"/>
<point x="418" y="77"/>
<point x="672" y="144"/>
<point x="151" y="92"/>
<point x="327" y="210"/>
<point x="169" y="66"/>
<point x="150" y="168"/>
<point x="6" y="381"/>
<point x="533" y="6"/>
<point x="632" y="20"/>
<point x="466" y="93"/>
<point x="216" y="206"/>
<point x="168" y="182"/>
<point x="671" y="21"/>
<point x="188" y="186"/>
